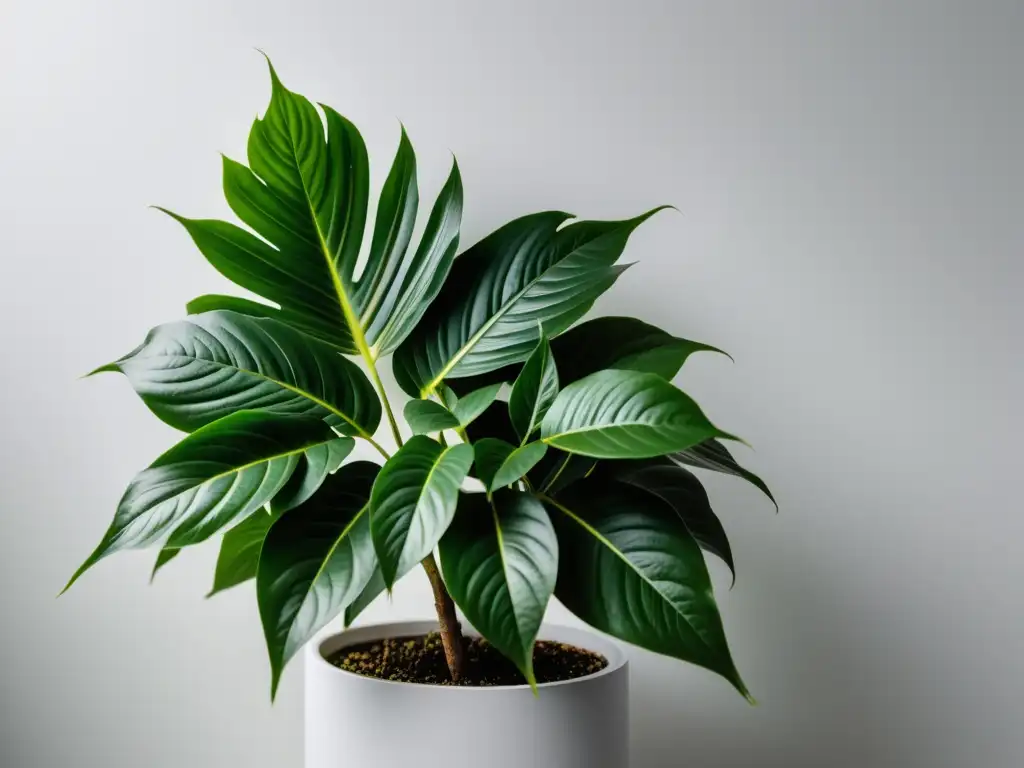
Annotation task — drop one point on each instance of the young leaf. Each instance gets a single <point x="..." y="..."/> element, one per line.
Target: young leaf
<point x="629" y="567"/>
<point x="499" y="464"/>
<point x="530" y="271"/>
<point x="315" y="560"/>
<point x="165" y="556"/>
<point x="240" y="551"/>
<point x="413" y="502"/>
<point x="500" y="563"/>
<point x="712" y="455"/>
<point x="470" y="406"/>
<point x="685" y="494"/>
<point x="215" y="477"/>
<point x="198" y="370"/>
<point x="426" y="416"/>
<point x="534" y="390"/>
<point x="625" y="415"/>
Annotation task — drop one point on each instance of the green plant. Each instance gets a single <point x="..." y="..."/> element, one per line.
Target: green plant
<point x="580" y="488"/>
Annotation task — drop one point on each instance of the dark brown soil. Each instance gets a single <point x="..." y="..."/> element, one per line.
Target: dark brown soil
<point x="421" y="660"/>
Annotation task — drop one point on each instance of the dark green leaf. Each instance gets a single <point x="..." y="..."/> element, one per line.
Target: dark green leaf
<point x="413" y="502"/>
<point x="534" y="391"/>
<point x="712" y="455"/>
<point x="499" y="464"/>
<point x="625" y="415"/>
<point x="195" y="371"/>
<point x="500" y="563"/>
<point x="530" y="271"/>
<point x="240" y="551"/>
<point x="215" y="477"/>
<point x="315" y="561"/>
<point x="426" y="416"/>
<point x="316" y="464"/>
<point x="470" y="406"/>
<point x="630" y="567"/>
<point x="373" y="589"/>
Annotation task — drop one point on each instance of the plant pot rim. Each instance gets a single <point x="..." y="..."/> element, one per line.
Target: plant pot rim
<point x="318" y="651"/>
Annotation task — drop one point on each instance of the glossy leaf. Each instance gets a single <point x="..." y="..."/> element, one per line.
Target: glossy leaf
<point x="214" y="478"/>
<point x="240" y="551"/>
<point x="499" y="464"/>
<point x="315" y="561"/>
<point x="534" y="390"/>
<point x="306" y="195"/>
<point x="625" y="415"/>
<point x="530" y="271"/>
<point x="469" y="407"/>
<point x="413" y="502"/>
<point x="316" y="464"/>
<point x="630" y="567"/>
<point x="426" y="416"/>
<point x="195" y="371"/>
<point x="373" y="589"/>
<point x="711" y="454"/>
<point x="500" y="563"/>
<point x="685" y="494"/>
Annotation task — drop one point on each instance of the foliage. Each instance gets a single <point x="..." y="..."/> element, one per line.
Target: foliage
<point x="574" y="431"/>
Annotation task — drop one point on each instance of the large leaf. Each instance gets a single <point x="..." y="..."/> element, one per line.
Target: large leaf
<point x="623" y="343"/>
<point x="240" y="551"/>
<point x="195" y="371"/>
<point x="534" y="390"/>
<point x="317" y="463"/>
<point x="215" y="477"/>
<point x="625" y="415"/>
<point x="305" y="194"/>
<point x="499" y="464"/>
<point x="413" y="502"/>
<point x="315" y="560"/>
<point x="711" y="454"/>
<point x="685" y="494"/>
<point x="500" y="563"/>
<point x="530" y="271"/>
<point x="630" y="567"/>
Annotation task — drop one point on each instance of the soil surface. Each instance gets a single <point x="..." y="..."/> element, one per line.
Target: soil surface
<point x="421" y="660"/>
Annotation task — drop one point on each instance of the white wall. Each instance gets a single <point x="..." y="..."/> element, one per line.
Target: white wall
<point x="850" y="181"/>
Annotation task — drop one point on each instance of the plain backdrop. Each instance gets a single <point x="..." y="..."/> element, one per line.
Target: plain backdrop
<point x="849" y="181"/>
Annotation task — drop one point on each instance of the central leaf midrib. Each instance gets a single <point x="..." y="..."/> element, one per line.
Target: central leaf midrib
<point x="420" y="495"/>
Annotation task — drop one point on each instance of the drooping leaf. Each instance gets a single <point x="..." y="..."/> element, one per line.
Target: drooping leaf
<point x="373" y="589"/>
<point x="534" y="390"/>
<point x="316" y="559"/>
<point x="685" y="494"/>
<point x="499" y="464"/>
<point x="426" y="416"/>
<point x="630" y="567"/>
<point x="500" y="563"/>
<point x="195" y="371"/>
<point x="165" y="556"/>
<point x="469" y="407"/>
<point x="623" y="343"/>
<point x="306" y="196"/>
<point x="413" y="502"/>
<point x="528" y="272"/>
<point x="214" y="478"/>
<point x="625" y="415"/>
<point x="711" y="454"/>
<point x="240" y="551"/>
<point x="316" y="464"/>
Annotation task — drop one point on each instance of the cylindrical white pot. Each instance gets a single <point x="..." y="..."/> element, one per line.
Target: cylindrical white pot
<point x="361" y="722"/>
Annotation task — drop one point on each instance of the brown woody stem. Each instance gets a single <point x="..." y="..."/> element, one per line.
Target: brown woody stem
<point x="451" y="632"/>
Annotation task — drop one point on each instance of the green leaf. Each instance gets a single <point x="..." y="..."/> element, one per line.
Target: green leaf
<point x="559" y="470"/>
<point x="712" y="455"/>
<point x="500" y="563"/>
<point x="630" y="567"/>
<point x="413" y="502"/>
<point x="625" y="415"/>
<point x="215" y="477"/>
<point x="685" y="494"/>
<point x="373" y="589"/>
<point x="622" y="343"/>
<point x="315" y="561"/>
<point x="534" y="391"/>
<point x="426" y="416"/>
<point x="165" y="556"/>
<point x="499" y="464"/>
<point x="213" y="302"/>
<point x="317" y="463"/>
<point x="306" y="196"/>
<point x="530" y="271"/>
<point x="469" y="407"/>
<point x="240" y="551"/>
<point x="195" y="371"/>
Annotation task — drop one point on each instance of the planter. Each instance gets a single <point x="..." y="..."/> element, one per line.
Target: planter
<point x="358" y="721"/>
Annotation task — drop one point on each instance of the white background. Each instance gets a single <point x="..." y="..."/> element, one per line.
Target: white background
<point x="850" y="181"/>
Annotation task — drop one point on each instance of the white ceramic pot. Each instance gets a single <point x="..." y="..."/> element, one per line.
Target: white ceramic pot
<point x="355" y="721"/>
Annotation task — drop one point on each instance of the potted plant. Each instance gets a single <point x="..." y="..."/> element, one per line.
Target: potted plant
<point x="541" y="458"/>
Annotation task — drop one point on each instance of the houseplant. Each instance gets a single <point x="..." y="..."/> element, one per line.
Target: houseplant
<point x="576" y="487"/>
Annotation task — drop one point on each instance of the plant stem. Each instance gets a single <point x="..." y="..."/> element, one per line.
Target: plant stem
<point x="451" y="632"/>
<point x="384" y="399"/>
